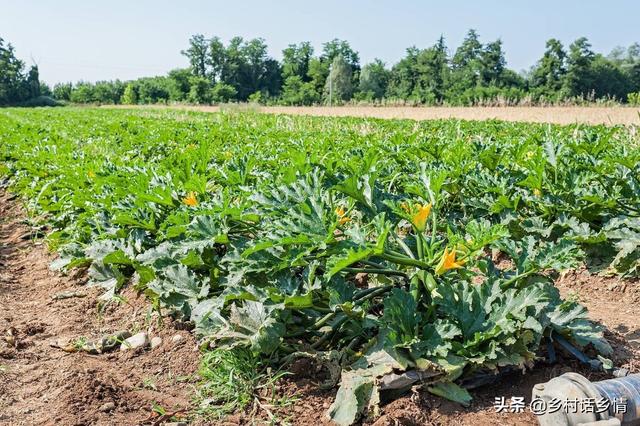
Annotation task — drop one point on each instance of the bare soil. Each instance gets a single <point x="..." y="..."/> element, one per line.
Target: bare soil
<point x="44" y="385"/>
<point x="557" y="115"/>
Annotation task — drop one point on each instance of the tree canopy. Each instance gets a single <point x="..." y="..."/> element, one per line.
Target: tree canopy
<point x="240" y="70"/>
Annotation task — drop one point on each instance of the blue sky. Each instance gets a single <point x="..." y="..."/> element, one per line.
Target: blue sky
<point x="89" y="40"/>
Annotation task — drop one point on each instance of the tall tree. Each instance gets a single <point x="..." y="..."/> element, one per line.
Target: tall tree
<point x="548" y="74"/>
<point x="335" y="48"/>
<point x="295" y="60"/>
<point x="577" y="81"/>
<point x="339" y="86"/>
<point x="374" y="79"/>
<point x="12" y="79"/>
<point x="431" y="69"/>
<point x="466" y="64"/>
<point x="493" y="64"/>
<point x="216" y="58"/>
<point x="198" y="53"/>
<point x="404" y="76"/>
<point x="33" y="82"/>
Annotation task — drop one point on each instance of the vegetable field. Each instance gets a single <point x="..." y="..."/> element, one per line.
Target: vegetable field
<point x="392" y="253"/>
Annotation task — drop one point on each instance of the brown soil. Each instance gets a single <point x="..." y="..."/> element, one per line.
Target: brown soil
<point x="557" y="115"/>
<point x="43" y="385"/>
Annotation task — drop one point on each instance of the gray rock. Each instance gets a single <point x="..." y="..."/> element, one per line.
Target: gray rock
<point x="177" y="339"/>
<point x="140" y="340"/>
<point x="111" y="341"/>
<point x="155" y="342"/>
<point x="107" y="406"/>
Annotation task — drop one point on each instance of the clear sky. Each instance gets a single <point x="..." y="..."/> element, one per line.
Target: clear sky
<point x="87" y="40"/>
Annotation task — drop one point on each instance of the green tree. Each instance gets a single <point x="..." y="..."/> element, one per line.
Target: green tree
<point x="318" y="73"/>
<point x="404" y="76"/>
<point x="222" y="92"/>
<point x="13" y="85"/>
<point x="82" y="93"/>
<point x="130" y="95"/>
<point x="62" y="91"/>
<point x="33" y="82"/>
<point x="216" y="59"/>
<point x="295" y="60"/>
<point x="577" y="81"/>
<point x="342" y="48"/>
<point x="466" y="65"/>
<point x="492" y="64"/>
<point x="180" y="84"/>
<point x="548" y="74"/>
<point x="339" y="85"/>
<point x="198" y="53"/>
<point x="431" y="74"/>
<point x="200" y="90"/>
<point x="374" y="79"/>
<point x="297" y="92"/>
<point x="608" y="79"/>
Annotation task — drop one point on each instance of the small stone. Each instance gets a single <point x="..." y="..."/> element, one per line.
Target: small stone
<point x="177" y="339"/>
<point x="140" y="340"/>
<point x="111" y="341"/>
<point x="108" y="406"/>
<point x="155" y="342"/>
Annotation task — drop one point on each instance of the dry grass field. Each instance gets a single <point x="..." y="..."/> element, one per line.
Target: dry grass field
<point x="557" y="115"/>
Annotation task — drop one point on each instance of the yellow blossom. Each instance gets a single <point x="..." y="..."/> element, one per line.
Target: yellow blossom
<point x="448" y="261"/>
<point x="91" y="174"/>
<point x="419" y="219"/>
<point x="342" y="219"/>
<point x="537" y="192"/>
<point x="190" y="199"/>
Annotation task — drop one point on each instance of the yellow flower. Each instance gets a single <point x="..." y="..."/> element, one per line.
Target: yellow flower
<point x="342" y="219"/>
<point x="190" y="199"/>
<point x="419" y="220"/>
<point x="448" y="261"/>
<point x="91" y="174"/>
<point x="537" y="192"/>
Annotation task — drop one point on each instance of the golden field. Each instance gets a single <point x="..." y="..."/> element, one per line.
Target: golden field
<point x="557" y="115"/>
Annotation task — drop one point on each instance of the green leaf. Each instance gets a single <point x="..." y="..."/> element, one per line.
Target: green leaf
<point x="452" y="392"/>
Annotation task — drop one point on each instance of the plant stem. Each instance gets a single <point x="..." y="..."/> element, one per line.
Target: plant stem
<point x="376" y="271"/>
<point x="404" y="260"/>
<point x="510" y="281"/>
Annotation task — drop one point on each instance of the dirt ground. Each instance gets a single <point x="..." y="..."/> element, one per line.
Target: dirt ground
<point x="43" y="385"/>
<point x="556" y="115"/>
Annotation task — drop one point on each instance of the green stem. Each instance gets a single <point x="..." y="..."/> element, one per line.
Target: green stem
<point x="509" y="282"/>
<point x="405" y="247"/>
<point x="329" y="335"/>
<point x="376" y="271"/>
<point x="434" y="224"/>
<point x="404" y="260"/>
<point x="358" y="299"/>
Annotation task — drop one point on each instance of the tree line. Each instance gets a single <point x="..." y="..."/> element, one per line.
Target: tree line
<point x="474" y="73"/>
<point x="17" y="84"/>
